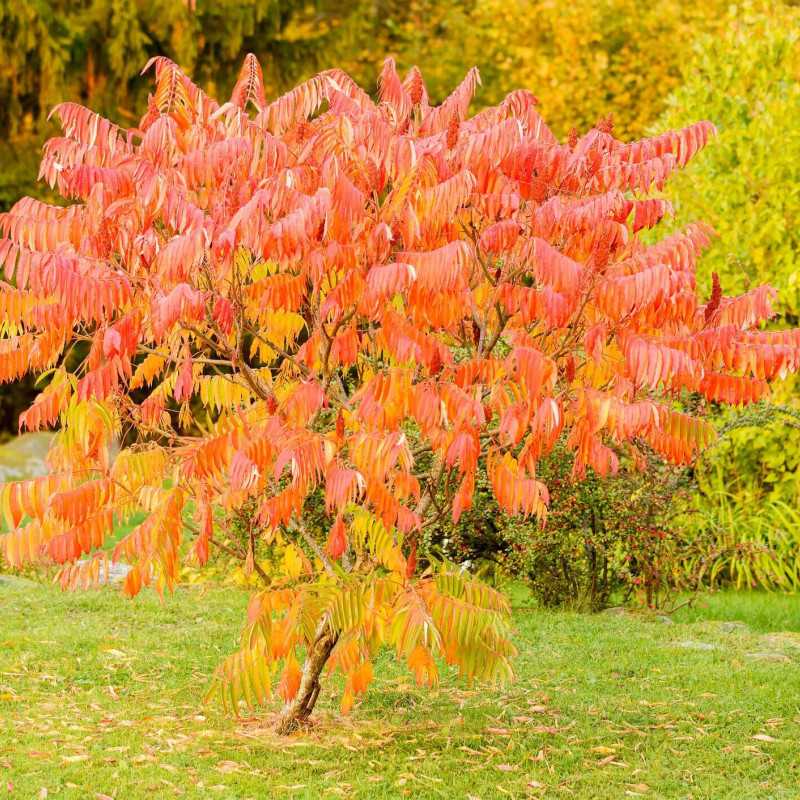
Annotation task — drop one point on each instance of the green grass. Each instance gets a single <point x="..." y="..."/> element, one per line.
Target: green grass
<point x="762" y="611"/>
<point x="101" y="697"/>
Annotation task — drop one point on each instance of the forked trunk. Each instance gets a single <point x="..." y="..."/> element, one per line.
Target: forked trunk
<point x="297" y="710"/>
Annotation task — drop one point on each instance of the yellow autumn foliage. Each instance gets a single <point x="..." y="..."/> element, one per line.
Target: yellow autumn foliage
<point x="581" y="58"/>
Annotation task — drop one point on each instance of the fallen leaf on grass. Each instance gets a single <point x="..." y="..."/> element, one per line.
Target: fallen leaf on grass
<point x="764" y="737"/>
<point x="506" y="768"/>
<point x="613" y="760"/>
<point x="115" y="653"/>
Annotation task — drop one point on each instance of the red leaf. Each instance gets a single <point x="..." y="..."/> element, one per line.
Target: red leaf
<point x="337" y="539"/>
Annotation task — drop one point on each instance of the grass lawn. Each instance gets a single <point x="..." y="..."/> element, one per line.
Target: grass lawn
<point x="763" y="611"/>
<point x="102" y="697"/>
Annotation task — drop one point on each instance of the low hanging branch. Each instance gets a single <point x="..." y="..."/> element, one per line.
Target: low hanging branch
<point x="328" y="308"/>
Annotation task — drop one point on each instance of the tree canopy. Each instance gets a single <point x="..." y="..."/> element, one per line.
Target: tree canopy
<point x="323" y="315"/>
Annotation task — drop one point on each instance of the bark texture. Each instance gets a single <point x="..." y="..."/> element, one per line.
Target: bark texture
<point x="297" y="711"/>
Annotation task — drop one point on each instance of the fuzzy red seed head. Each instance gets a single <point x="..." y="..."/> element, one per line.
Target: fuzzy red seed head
<point x="416" y="86"/>
<point x="452" y="131"/>
<point x="436" y="363"/>
<point x="476" y="333"/>
<point x="569" y="368"/>
<point x="411" y="561"/>
<point x="572" y="139"/>
<point x="606" y="124"/>
<point x="716" y="297"/>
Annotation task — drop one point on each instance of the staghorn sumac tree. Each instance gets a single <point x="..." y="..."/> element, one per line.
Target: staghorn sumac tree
<point x="326" y="306"/>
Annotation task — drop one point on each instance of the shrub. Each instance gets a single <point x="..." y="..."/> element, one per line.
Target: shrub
<point x="741" y="538"/>
<point x="326" y="314"/>
<point x="606" y="540"/>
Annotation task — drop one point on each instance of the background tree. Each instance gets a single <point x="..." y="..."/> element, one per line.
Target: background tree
<point x="92" y="51"/>
<point x="309" y="318"/>
<point x="746" y="187"/>
<point x="610" y="54"/>
<point x="579" y="58"/>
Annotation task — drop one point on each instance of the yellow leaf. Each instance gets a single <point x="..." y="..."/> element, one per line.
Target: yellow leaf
<point x="292" y="561"/>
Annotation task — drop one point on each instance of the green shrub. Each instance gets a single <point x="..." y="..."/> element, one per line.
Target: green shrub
<point x="746" y="543"/>
<point x="606" y="540"/>
<point x="748" y="540"/>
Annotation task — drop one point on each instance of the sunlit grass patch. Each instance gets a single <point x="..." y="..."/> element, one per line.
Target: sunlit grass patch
<point x="103" y="696"/>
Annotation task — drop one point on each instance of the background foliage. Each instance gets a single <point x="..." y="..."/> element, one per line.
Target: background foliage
<point x="747" y="185"/>
<point x="580" y="58"/>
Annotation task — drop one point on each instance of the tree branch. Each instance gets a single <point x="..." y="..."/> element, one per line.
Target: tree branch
<point x="318" y="551"/>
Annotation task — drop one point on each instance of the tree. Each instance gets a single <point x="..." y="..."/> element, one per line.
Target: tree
<point x="319" y="319"/>
<point x="746" y="187"/>
<point x="91" y="52"/>
<point x="580" y="58"/>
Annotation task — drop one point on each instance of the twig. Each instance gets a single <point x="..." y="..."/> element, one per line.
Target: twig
<point x="318" y="552"/>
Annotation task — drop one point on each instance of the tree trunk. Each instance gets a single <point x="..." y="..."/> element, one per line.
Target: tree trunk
<point x="297" y="710"/>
